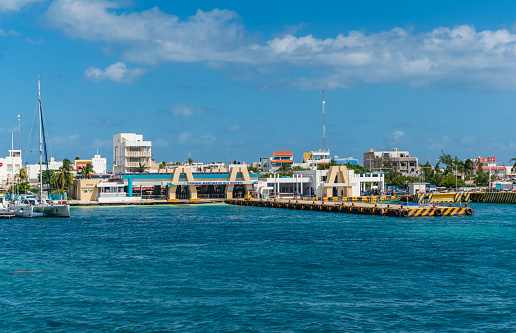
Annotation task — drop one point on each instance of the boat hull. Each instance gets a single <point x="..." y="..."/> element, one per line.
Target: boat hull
<point x="42" y="211"/>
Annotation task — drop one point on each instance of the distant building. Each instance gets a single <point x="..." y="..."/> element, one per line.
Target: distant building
<point x="401" y="161"/>
<point x="129" y="152"/>
<point x="6" y="166"/>
<point x="346" y="160"/>
<point x="271" y="164"/>
<point x="32" y="170"/>
<point x="98" y="163"/>
<point x="489" y="165"/>
<point x="316" y="157"/>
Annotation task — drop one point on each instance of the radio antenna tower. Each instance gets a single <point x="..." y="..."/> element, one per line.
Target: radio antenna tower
<point x="323" y="123"/>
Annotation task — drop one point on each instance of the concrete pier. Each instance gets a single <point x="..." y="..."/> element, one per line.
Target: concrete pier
<point x="357" y="207"/>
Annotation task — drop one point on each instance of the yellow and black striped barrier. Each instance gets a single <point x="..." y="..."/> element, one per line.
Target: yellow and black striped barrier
<point x="442" y="197"/>
<point x="361" y="208"/>
<point x="494" y="197"/>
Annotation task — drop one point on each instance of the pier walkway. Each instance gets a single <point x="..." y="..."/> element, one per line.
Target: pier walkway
<point x="356" y="207"/>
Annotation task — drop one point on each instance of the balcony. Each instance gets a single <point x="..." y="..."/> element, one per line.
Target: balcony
<point x="136" y="164"/>
<point x="138" y="153"/>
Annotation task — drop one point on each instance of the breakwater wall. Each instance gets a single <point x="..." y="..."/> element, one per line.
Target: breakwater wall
<point x="496" y="197"/>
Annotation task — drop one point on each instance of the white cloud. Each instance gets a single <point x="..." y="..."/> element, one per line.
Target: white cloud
<point x="15" y="5"/>
<point x="117" y="72"/>
<point x="188" y="138"/>
<point x="186" y="111"/>
<point x="397" y="134"/>
<point x="9" y="33"/>
<point x="460" y="55"/>
<point x="65" y="139"/>
<point x="184" y="137"/>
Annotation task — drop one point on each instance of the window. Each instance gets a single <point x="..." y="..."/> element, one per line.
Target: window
<point x="412" y="163"/>
<point x="323" y="178"/>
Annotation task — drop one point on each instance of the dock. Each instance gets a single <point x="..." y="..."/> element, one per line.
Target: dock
<point x="361" y="208"/>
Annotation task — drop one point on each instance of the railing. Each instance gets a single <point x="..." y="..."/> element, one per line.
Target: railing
<point x="135" y="164"/>
<point x="113" y="195"/>
<point x="154" y="197"/>
<point x="138" y="153"/>
<point x="210" y="196"/>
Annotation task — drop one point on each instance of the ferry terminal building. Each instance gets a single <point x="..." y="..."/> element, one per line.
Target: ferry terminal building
<point x="181" y="183"/>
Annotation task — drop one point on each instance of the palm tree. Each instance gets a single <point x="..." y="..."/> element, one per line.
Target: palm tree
<point x="141" y="168"/>
<point x="86" y="171"/>
<point x="22" y="175"/>
<point x="468" y="167"/>
<point x="67" y="173"/>
<point x="514" y="166"/>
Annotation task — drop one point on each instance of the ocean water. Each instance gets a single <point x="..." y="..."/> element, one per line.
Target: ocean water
<point x="213" y="268"/>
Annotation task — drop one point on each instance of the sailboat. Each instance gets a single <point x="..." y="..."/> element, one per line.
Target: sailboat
<point x="40" y="205"/>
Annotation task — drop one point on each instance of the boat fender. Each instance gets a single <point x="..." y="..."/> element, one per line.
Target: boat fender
<point x="404" y="213"/>
<point x="381" y="211"/>
<point x="397" y="213"/>
<point x="469" y="211"/>
<point x="438" y="212"/>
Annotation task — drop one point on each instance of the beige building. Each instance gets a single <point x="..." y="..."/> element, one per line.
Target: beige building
<point x="401" y="161"/>
<point x="84" y="189"/>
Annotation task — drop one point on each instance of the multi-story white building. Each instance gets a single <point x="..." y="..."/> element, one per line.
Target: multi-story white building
<point x="6" y="166"/>
<point x="129" y="152"/>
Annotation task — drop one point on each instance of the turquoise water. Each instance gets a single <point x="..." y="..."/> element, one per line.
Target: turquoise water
<point x="234" y="268"/>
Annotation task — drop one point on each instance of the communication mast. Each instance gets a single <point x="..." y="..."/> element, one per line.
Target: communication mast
<point x="323" y="123"/>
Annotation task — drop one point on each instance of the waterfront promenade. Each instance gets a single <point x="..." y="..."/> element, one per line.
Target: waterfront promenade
<point x="145" y="202"/>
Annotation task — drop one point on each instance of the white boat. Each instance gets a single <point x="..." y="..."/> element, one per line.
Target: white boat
<point x="36" y="206"/>
<point x="40" y="205"/>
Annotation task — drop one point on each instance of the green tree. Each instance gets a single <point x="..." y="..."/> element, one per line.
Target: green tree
<point x="514" y="165"/>
<point x="468" y="168"/>
<point x="86" y="171"/>
<point x="23" y="187"/>
<point x="141" y="168"/>
<point x="254" y="169"/>
<point x="285" y="170"/>
<point x="356" y="167"/>
<point x="190" y="160"/>
<point x="22" y="175"/>
<point x="327" y="165"/>
<point x="482" y="177"/>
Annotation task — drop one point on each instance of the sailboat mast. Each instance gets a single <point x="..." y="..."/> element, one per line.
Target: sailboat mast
<point x="40" y="143"/>
<point x="12" y="162"/>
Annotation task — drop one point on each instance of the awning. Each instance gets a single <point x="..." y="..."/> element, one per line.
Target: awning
<point x="220" y="182"/>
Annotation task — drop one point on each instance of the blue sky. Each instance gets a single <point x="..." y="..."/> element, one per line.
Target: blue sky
<point x="236" y="80"/>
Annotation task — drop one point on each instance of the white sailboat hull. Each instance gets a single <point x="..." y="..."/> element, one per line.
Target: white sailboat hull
<point x="41" y="211"/>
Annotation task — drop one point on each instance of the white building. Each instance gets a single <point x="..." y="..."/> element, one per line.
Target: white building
<point x="316" y="157"/>
<point x="98" y="163"/>
<point x="6" y="166"/>
<point x="32" y="170"/>
<point x="315" y="183"/>
<point x="129" y="152"/>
